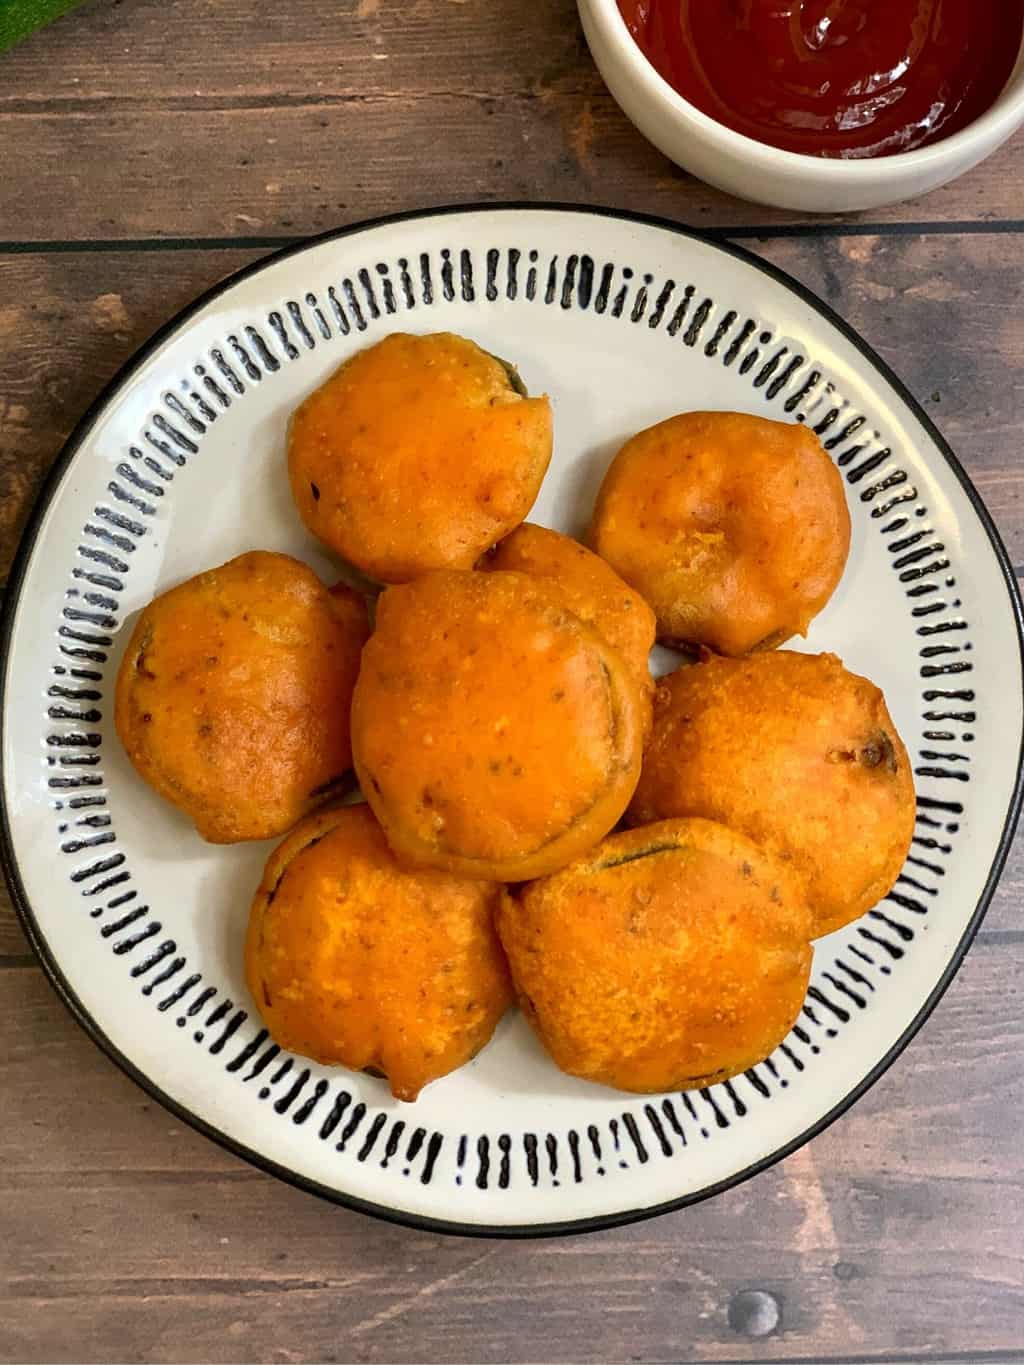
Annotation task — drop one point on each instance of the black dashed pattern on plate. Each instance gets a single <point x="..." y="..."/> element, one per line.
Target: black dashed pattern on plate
<point x="845" y="981"/>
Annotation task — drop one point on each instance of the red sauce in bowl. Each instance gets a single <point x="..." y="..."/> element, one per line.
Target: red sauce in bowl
<point x="838" y="78"/>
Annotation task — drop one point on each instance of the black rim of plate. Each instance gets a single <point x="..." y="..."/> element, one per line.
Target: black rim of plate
<point x="62" y="985"/>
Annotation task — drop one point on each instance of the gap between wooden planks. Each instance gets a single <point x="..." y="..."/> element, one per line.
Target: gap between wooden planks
<point x="239" y="118"/>
<point x="945" y="310"/>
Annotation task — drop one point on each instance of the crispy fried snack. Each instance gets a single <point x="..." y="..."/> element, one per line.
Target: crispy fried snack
<point x="233" y="697"/>
<point x="353" y="961"/>
<point x="734" y="528"/>
<point x="667" y="957"/>
<point x="799" y="755"/>
<point x="495" y="734"/>
<point x="418" y="453"/>
<point x="587" y="585"/>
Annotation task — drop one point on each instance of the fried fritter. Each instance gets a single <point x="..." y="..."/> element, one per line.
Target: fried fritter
<point x="352" y="960"/>
<point x="233" y="697"/>
<point x="418" y="453"/>
<point x="796" y="753"/>
<point x="668" y="957"/>
<point x="588" y="586"/>
<point x="495" y="734"/>
<point x="734" y="528"/>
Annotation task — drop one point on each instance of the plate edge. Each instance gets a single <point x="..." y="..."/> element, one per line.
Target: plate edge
<point x="12" y="595"/>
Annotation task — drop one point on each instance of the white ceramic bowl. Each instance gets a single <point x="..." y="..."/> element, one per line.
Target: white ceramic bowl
<point x="766" y="175"/>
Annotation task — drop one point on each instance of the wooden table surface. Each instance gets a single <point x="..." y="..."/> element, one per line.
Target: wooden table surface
<point x="147" y="150"/>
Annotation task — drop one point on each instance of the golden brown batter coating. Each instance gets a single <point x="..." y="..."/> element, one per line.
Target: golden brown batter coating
<point x="418" y="453"/>
<point x="587" y="585"/>
<point x="495" y="734"/>
<point x="233" y="697"/>
<point x="668" y="957"/>
<point x="798" y="754"/>
<point x="735" y="529"/>
<point x="352" y="960"/>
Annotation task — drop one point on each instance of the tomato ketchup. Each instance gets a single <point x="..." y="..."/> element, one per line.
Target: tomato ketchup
<point x="837" y="78"/>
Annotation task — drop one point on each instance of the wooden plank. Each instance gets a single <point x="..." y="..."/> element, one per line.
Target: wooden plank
<point x="896" y="1231"/>
<point x="1003" y="917"/>
<point x="246" y="50"/>
<point x="67" y="324"/>
<point x="62" y="337"/>
<point x="242" y="118"/>
<point x="14" y="947"/>
<point x="1002" y="920"/>
<point x="945" y="311"/>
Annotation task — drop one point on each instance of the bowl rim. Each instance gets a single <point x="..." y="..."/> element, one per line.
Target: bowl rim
<point x="989" y="129"/>
<point x="9" y="610"/>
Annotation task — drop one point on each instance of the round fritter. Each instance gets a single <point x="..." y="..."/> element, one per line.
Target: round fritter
<point x="668" y="957"/>
<point x="418" y="453"/>
<point x="352" y="960"/>
<point x="587" y="585"/>
<point x="233" y="697"/>
<point x="798" y="754"/>
<point x="734" y="528"/>
<point x="494" y="733"/>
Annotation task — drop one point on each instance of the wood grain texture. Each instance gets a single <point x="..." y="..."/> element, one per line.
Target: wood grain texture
<point x="14" y="948"/>
<point x="67" y="325"/>
<point x="897" y="1231"/>
<point x="945" y="312"/>
<point x="246" y="118"/>
<point x="914" y="1195"/>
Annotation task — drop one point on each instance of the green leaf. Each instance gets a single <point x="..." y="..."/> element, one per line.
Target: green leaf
<point x="18" y="18"/>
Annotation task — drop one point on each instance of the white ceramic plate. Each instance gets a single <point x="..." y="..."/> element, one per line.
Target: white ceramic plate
<point x="180" y="465"/>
